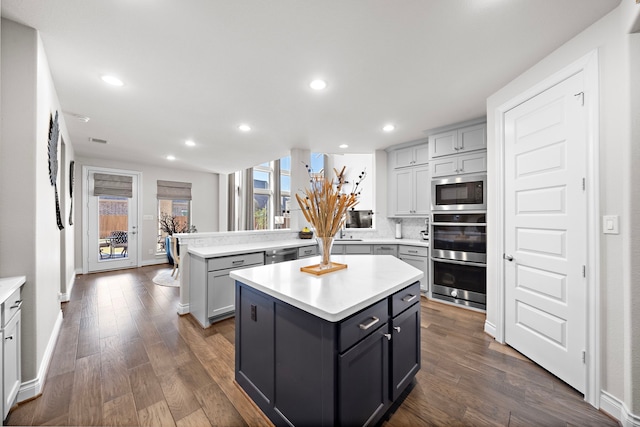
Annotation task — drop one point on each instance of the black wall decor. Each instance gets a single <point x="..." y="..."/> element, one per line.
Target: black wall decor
<point x="54" y="132"/>
<point x="72" y="172"/>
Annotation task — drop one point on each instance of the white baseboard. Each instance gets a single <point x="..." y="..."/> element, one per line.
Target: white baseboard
<point x="158" y="261"/>
<point x="183" y="308"/>
<point x="490" y="328"/>
<point x="66" y="296"/>
<point x="32" y="388"/>
<point x="617" y="409"/>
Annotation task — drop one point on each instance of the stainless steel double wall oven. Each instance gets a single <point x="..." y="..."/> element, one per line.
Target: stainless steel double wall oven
<point x="459" y="240"/>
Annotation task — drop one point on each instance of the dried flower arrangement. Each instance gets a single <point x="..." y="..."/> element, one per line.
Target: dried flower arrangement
<point x="325" y="206"/>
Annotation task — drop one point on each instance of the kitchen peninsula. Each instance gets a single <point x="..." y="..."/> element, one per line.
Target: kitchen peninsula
<point x="335" y="349"/>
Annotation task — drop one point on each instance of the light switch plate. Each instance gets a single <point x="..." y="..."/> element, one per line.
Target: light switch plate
<point x="610" y="224"/>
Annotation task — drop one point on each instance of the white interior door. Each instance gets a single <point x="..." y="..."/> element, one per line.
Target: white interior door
<point x="546" y="230"/>
<point x="111" y="224"/>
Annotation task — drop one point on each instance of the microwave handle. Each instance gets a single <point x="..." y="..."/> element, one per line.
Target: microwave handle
<point x="449" y="261"/>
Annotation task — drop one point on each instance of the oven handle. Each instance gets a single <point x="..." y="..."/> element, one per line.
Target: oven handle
<point x="449" y="261"/>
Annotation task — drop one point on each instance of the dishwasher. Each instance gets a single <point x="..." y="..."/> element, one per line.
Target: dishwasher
<point x="274" y="256"/>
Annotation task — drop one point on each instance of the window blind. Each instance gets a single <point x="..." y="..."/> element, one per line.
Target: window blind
<point x="112" y="185"/>
<point x="174" y="190"/>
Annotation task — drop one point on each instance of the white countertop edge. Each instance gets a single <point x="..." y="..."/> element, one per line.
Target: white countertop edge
<point x="243" y="276"/>
<point x="8" y="285"/>
<point x="244" y="248"/>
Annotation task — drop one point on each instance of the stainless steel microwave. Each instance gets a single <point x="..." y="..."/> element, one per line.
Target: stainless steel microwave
<point x="459" y="193"/>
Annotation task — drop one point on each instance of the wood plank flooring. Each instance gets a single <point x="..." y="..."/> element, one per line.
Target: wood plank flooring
<point x="125" y="358"/>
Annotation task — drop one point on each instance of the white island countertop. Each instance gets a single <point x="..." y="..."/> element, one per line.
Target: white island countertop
<point x="336" y="295"/>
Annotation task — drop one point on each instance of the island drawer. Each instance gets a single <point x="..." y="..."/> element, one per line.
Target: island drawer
<point x="362" y="324"/>
<point x="223" y="263"/>
<point x="405" y="298"/>
<point x="413" y="250"/>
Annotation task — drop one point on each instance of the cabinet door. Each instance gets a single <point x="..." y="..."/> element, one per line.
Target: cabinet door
<point x="403" y="157"/>
<point x="402" y="192"/>
<point x="363" y="380"/>
<point x="422" y="186"/>
<point x="11" y="362"/>
<point x="445" y="166"/>
<point x="472" y="163"/>
<point x="220" y="293"/>
<point x="255" y="341"/>
<point x="421" y="154"/>
<point x="443" y="144"/>
<point x="337" y="249"/>
<point x="405" y="349"/>
<point x="472" y="138"/>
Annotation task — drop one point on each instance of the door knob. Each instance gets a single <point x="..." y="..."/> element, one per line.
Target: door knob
<point x="507" y="257"/>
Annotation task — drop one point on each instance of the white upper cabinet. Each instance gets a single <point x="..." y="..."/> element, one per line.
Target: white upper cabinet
<point x="410" y="156"/>
<point x="458" y="165"/>
<point x="458" y="141"/>
<point x="409" y="192"/>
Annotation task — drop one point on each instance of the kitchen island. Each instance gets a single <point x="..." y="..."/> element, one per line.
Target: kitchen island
<point x="336" y="349"/>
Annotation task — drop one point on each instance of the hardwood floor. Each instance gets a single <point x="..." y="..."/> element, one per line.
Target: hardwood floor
<point x="125" y="358"/>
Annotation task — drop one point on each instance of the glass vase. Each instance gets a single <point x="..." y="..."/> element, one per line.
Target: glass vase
<point x="324" y="247"/>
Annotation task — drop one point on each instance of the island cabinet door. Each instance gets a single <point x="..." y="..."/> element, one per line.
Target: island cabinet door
<point x="405" y="349"/>
<point x="255" y="344"/>
<point x="364" y="380"/>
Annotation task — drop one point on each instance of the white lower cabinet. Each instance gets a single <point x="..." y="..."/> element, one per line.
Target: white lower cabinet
<point x="419" y="258"/>
<point x="10" y="332"/>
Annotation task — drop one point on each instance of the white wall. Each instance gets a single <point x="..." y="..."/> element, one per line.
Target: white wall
<point x="204" y="206"/>
<point x="610" y="36"/>
<point x="29" y="236"/>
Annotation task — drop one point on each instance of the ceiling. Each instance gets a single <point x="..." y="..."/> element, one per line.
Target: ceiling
<point x="197" y="69"/>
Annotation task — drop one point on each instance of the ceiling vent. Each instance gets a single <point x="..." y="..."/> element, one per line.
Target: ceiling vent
<point x="98" y="140"/>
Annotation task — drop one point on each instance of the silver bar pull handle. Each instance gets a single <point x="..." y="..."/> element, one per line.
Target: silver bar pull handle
<point x="238" y="262"/>
<point x="17" y="304"/>
<point x="388" y="336"/>
<point x="397" y="328"/>
<point x="365" y="326"/>
<point x="409" y="298"/>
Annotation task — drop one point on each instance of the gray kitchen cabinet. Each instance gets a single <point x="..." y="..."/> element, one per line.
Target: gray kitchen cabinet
<point x="385" y="250"/>
<point x="419" y="258"/>
<point x="410" y="156"/>
<point x="11" y="349"/>
<point x="459" y="164"/>
<point x="304" y="370"/>
<point x="409" y="192"/>
<point x="307" y="251"/>
<point x="358" y="249"/>
<point x="211" y="290"/>
<point x="457" y="141"/>
<point x="337" y="249"/>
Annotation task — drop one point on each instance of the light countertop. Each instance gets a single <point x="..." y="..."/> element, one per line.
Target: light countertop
<point x="8" y="285"/>
<point x="336" y="295"/>
<point x="244" y="248"/>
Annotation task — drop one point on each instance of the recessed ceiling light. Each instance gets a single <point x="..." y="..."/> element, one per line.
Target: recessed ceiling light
<point x="343" y="146"/>
<point x="189" y="143"/>
<point x="171" y="157"/>
<point x="388" y="128"/>
<point x="112" y="80"/>
<point x="244" y="127"/>
<point x="318" y="84"/>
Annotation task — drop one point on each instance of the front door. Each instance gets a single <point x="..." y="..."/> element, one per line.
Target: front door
<point x="112" y="219"/>
<point x="546" y="230"/>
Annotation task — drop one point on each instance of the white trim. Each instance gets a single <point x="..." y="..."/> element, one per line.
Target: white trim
<point x="158" y="261"/>
<point x="86" y="169"/>
<point x="65" y="297"/>
<point x="589" y="65"/>
<point x="32" y="388"/>
<point x="183" y="308"/>
<point x="489" y="328"/>
<point x="617" y="409"/>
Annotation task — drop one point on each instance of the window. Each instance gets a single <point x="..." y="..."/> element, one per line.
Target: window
<point x="283" y="216"/>
<point x="174" y="210"/>
<point x="262" y="196"/>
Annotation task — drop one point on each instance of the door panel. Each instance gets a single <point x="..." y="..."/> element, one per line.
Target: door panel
<point x="545" y="230"/>
<point x="112" y="225"/>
